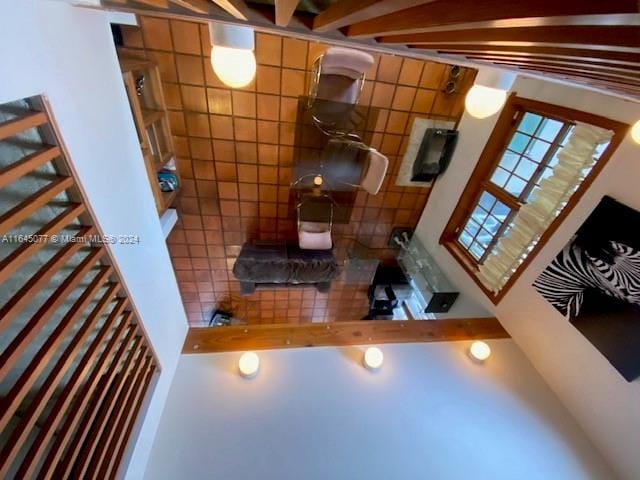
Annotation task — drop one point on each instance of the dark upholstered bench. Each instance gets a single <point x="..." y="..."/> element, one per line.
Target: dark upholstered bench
<point x="270" y="264"/>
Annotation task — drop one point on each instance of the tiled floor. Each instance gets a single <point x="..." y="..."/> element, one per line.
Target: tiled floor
<point x="235" y="151"/>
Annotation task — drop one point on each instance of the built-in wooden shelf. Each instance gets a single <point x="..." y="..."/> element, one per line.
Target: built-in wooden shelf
<point x="144" y="88"/>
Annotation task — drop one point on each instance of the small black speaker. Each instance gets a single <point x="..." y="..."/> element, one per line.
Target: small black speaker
<point x="434" y="154"/>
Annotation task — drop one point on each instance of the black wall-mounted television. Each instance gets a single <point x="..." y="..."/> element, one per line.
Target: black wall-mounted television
<point x="434" y="154"/>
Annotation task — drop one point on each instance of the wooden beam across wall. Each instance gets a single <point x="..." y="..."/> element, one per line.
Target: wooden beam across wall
<point x="261" y="337"/>
<point x="467" y="14"/>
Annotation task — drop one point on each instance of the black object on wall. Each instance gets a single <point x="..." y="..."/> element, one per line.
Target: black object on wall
<point x="434" y="154"/>
<point x="594" y="282"/>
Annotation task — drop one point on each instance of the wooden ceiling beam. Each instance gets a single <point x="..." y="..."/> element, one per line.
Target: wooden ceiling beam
<point x="600" y="84"/>
<point x="494" y="55"/>
<point x="633" y="57"/>
<point x="284" y="11"/>
<point x="630" y="78"/>
<point x="235" y="8"/>
<point x="572" y="72"/>
<point x="347" y="12"/>
<point x="155" y="3"/>
<point x="259" y="337"/>
<point x="626" y="36"/>
<point x="498" y="14"/>
<point x="594" y="66"/>
<point x="196" y="6"/>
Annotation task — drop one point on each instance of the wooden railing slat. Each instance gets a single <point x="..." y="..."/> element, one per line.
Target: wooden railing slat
<point x="40" y="279"/>
<point x="95" y="415"/>
<point x="103" y="465"/>
<point x="85" y="398"/>
<point x="44" y="393"/>
<point x="24" y="210"/>
<point x="13" y="172"/>
<point x="29" y="332"/>
<point x="117" y="458"/>
<point x="25" y="251"/>
<point x="65" y="397"/>
<point x="84" y="372"/>
<point x="11" y="401"/>
<point x="20" y="124"/>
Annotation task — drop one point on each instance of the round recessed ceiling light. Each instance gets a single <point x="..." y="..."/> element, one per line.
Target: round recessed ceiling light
<point x="373" y="358"/>
<point x="249" y="364"/>
<point x="479" y="351"/>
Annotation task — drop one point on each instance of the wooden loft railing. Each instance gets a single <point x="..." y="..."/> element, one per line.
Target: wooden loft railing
<point x="75" y="365"/>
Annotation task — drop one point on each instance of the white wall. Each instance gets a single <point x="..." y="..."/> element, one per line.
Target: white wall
<point x="317" y="414"/>
<point x="67" y="54"/>
<point x="606" y="406"/>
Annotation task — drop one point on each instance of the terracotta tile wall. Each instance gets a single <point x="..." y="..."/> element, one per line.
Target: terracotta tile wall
<point x="235" y="150"/>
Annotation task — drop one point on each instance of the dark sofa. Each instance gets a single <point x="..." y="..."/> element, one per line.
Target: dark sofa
<point x="277" y="263"/>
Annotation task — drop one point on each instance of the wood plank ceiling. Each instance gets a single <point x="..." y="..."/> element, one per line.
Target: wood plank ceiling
<point x="590" y="42"/>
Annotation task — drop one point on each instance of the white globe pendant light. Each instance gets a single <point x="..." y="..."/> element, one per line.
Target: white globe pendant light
<point x="489" y="93"/>
<point x="232" y="56"/>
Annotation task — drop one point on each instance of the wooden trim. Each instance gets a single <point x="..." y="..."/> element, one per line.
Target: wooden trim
<point x="33" y="203"/>
<point x="21" y="123"/>
<point x="22" y="298"/>
<point x="260" y="337"/>
<point x="485" y="165"/>
<point x="25" y="251"/>
<point x="487" y="162"/>
<point x="86" y="394"/>
<point x="27" y="164"/>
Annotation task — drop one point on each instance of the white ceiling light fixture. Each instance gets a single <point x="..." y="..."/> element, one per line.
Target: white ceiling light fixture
<point x="249" y="364"/>
<point x="479" y="351"/>
<point x="488" y="93"/>
<point x="635" y="132"/>
<point x="373" y="358"/>
<point x="232" y="56"/>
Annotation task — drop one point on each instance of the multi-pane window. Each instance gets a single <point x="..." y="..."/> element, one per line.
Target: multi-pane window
<point x="530" y="155"/>
<point x="522" y="164"/>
